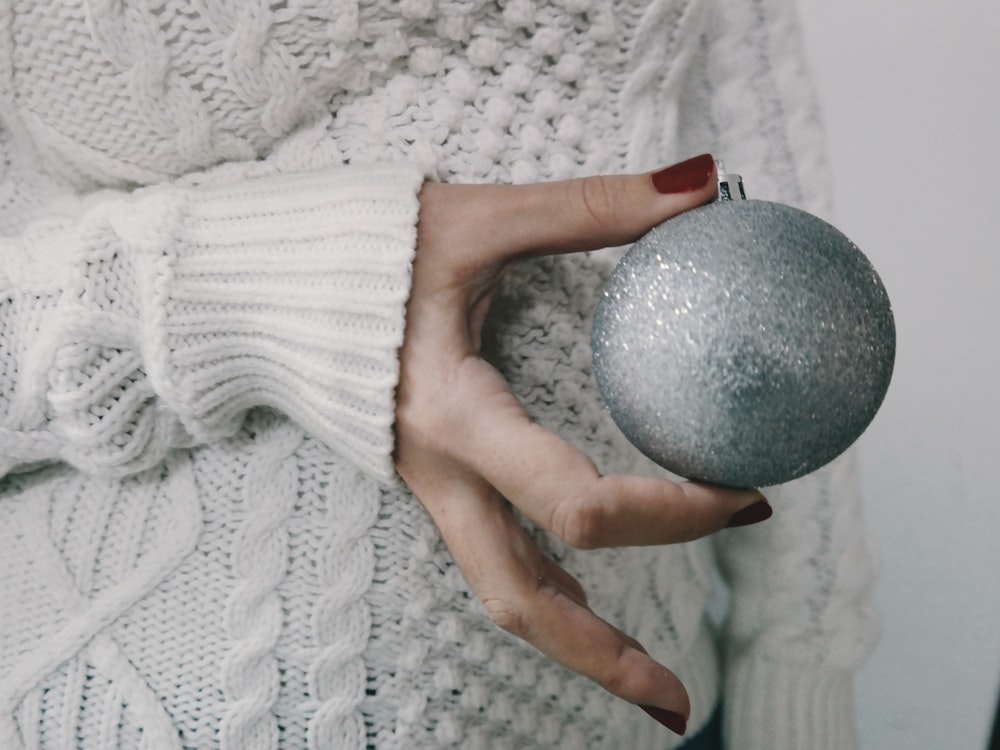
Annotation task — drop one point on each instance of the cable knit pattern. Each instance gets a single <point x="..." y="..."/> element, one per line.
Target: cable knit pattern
<point x="341" y="619"/>
<point x="85" y="564"/>
<point x="207" y="221"/>
<point x="253" y="615"/>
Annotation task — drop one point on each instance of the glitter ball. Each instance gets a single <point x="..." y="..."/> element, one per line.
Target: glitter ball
<point x="744" y="343"/>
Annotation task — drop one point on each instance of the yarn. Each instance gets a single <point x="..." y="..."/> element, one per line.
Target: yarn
<point x="208" y="213"/>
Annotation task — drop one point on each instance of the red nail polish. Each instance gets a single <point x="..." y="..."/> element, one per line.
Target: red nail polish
<point x="672" y="720"/>
<point x="685" y="177"/>
<point x="759" y="511"/>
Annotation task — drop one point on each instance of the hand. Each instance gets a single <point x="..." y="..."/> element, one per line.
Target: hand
<point x="464" y="441"/>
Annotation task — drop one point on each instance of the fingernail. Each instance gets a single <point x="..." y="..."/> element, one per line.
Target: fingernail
<point x="755" y="513"/>
<point x="685" y="177"/>
<point x="672" y="720"/>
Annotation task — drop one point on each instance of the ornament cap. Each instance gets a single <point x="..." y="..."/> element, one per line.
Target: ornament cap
<point x="730" y="184"/>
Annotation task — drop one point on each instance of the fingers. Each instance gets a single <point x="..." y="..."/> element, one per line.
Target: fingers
<point x="604" y="211"/>
<point x="601" y="211"/>
<point x="558" y="487"/>
<point x="501" y="223"/>
<point x="464" y="440"/>
<point x="530" y="596"/>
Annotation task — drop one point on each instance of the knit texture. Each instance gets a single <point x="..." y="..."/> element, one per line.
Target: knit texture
<point x="180" y="311"/>
<point x="208" y="216"/>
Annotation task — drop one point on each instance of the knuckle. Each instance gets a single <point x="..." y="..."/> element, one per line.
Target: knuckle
<point x="507" y="615"/>
<point x="614" y="679"/>
<point x="613" y="674"/>
<point x="579" y="525"/>
<point x="596" y="199"/>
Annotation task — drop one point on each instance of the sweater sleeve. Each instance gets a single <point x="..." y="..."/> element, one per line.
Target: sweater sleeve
<point x="155" y="320"/>
<point x="801" y="619"/>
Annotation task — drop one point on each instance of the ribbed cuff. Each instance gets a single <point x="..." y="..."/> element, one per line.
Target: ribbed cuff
<point x="288" y="292"/>
<point x="780" y="706"/>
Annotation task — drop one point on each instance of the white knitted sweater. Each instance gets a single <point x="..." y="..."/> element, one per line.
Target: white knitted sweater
<point x="202" y="542"/>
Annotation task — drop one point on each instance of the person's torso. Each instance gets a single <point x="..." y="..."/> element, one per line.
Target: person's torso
<point x="133" y="93"/>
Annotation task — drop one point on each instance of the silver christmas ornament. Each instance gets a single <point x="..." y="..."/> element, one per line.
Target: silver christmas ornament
<point x="744" y="343"/>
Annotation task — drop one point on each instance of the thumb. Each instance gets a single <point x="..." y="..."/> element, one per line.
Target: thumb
<point x="600" y="211"/>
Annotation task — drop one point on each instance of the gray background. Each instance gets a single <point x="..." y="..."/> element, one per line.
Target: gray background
<point x="910" y="92"/>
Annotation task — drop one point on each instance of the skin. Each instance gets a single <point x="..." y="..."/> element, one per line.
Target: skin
<point x="464" y="441"/>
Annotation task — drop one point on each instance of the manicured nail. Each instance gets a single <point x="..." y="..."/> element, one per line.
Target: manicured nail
<point x="755" y="513"/>
<point x="672" y="720"/>
<point x="685" y="177"/>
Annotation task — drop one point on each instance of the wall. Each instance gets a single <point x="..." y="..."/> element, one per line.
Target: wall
<point x="910" y="94"/>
